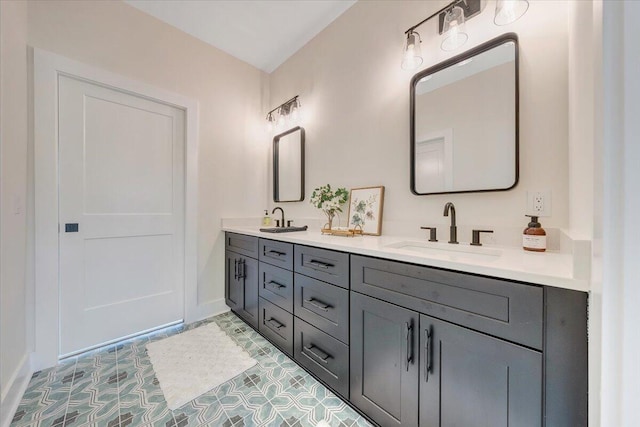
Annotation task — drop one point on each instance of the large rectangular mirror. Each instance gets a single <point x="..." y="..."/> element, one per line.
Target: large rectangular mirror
<point x="464" y="121"/>
<point x="288" y="166"/>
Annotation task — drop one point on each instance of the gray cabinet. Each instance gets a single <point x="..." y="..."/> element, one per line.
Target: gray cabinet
<point x="241" y="286"/>
<point x="472" y="379"/>
<point x="384" y="361"/>
<point x="276" y="286"/>
<point x="411" y="345"/>
<point x="323" y="305"/>
<point x="322" y="264"/>
<point x="241" y="244"/>
<point x="276" y="253"/>
<point x="509" y="310"/>
<point x="277" y="325"/>
<point x="323" y="355"/>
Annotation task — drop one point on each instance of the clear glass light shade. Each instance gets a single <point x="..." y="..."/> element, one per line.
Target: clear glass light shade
<point x="411" y="54"/>
<point x="508" y="11"/>
<point x="281" y="121"/>
<point x="454" y="31"/>
<point x="294" y="112"/>
<point x="270" y="122"/>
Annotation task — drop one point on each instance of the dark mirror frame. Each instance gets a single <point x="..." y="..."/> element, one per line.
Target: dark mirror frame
<point x="276" y="179"/>
<point x="505" y="38"/>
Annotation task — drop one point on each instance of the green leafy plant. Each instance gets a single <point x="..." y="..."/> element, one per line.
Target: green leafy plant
<point x="329" y="201"/>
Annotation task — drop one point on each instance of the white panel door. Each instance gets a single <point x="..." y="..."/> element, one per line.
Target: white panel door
<point x="121" y="170"/>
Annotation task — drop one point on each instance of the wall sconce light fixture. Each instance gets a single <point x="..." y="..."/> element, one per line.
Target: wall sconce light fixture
<point x="451" y="24"/>
<point x="288" y="110"/>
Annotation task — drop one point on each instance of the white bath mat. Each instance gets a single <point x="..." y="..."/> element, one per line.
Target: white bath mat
<point x="194" y="362"/>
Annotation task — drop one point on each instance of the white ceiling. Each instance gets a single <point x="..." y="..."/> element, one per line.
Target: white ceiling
<point x="263" y="33"/>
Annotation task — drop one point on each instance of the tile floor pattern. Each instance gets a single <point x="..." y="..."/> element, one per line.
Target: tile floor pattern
<point x="116" y="387"/>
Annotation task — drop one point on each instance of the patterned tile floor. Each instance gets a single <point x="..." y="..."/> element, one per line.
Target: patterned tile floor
<point x="116" y="387"/>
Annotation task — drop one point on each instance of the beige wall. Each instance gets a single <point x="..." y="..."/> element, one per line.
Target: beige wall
<point x="119" y="38"/>
<point x="14" y="136"/>
<point x="357" y="100"/>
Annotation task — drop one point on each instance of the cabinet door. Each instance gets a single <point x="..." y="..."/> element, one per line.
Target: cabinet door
<point x="234" y="289"/>
<point x="474" y="380"/>
<point x="249" y="281"/>
<point x="384" y="361"/>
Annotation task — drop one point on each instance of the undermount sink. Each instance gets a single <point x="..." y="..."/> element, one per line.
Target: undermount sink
<point x="448" y="251"/>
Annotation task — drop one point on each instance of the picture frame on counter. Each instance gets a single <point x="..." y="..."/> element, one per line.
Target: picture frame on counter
<point x="365" y="209"/>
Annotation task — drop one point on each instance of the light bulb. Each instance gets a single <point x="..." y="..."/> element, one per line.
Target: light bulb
<point x="509" y="11"/>
<point x="412" y="55"/>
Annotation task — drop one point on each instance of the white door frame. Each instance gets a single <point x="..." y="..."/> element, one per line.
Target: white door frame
<point x="47" y="67"/>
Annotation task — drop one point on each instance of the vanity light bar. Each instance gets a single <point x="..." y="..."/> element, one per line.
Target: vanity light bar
<point x="289" y="108"/>
<point x="451" y="19"/>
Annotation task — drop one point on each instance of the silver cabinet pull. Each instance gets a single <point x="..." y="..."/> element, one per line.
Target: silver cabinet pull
<point x="275" y="285"/>
<point x="273" y="322"/>
<point x="318" y="304"/>
<point x="317" y="353"/>
<point x="320" y="264"/>
<point x="276" y="253"/>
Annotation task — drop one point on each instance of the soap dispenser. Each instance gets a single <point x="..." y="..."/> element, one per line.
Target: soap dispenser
<point x="266" y="220"/>
<point x="534" y="237"/>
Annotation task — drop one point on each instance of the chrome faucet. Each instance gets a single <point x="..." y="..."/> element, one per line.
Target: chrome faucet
<point x="453" y="230"/>
<point x="279" y="223"/>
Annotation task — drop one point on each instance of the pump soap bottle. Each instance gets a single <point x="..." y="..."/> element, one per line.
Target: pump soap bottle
<point x="534" y="237"/>
<point x="266" y="220"/>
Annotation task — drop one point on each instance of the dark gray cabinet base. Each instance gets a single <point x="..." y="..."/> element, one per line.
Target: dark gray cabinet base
<point x="384" y="361"/>
<point x="471" y="379"/>
<point x="411" y="345"/>
<point x="323" y="355"/>
<point x="241" y="282"/>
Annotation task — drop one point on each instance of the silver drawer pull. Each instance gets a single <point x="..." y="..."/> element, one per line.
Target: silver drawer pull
<point x="318" y="354"/>
<point x="276" y="253"/>
<point x="273" y="322"/>
<point x="318" y="304"/>
<point x="321" y="264"/>
<point x="275" y="285"/>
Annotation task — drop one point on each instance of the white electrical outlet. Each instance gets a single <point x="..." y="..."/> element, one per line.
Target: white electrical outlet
<point x="539" y="203"/>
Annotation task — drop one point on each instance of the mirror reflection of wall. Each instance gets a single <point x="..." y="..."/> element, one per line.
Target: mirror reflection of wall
<point x="465" y="122"/>
<point x="288" y="166"/>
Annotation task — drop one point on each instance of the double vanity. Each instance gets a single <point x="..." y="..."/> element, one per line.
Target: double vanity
<point x="420" y="332"/>
<point x="413" y="333"/>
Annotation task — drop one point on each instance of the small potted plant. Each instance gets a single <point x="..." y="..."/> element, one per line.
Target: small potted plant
<point x="329" y="201"/>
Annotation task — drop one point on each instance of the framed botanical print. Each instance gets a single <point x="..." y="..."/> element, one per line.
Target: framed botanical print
<point x="365" y="209"/>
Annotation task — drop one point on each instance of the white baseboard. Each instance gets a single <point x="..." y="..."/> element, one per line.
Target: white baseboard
<point x="208" y="309"/>
<point x="16" y="387"/>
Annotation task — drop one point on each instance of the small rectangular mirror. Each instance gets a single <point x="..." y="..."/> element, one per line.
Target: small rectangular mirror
<point x="288" y="166"/>
<point x="464" y="121"/>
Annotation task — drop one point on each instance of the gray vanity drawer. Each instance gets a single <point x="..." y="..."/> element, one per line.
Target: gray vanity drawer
<point x="241" y="244"/>
<point x="276" y="253"/>
<point x="276" y="285"/>
<point x="323" y="355"/>
<point x="323" y="305"/>
<point x="322" y="264"/>
<point x="277" y="325"/>
<point x="504" y="309"/>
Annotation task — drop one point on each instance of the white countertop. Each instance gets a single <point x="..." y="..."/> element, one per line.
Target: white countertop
<point x="545" y="268"/>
